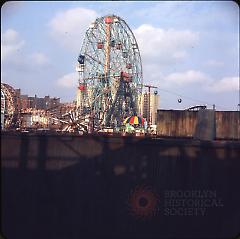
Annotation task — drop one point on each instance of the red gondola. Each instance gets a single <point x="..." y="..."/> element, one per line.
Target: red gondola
<point x="82" y="87"/>
<point x="100" y="45"/>
<point x="108" y="20"/>
<point x="126" y="77"/>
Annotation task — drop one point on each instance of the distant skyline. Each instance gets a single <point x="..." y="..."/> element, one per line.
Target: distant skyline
<point x="189" y="49"/>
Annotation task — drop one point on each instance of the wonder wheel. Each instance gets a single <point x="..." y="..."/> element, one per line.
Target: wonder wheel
<point x="110" y="73"/>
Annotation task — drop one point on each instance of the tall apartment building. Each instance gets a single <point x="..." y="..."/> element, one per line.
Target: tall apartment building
<point x="144" y="106"/>
<point x="79" y="98"/>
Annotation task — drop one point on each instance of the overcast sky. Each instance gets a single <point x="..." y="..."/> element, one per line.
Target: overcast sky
<point x="190" y="50"/>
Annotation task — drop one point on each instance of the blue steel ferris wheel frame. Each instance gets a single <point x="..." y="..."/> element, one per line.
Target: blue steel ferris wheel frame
<point x="111" y="71"/>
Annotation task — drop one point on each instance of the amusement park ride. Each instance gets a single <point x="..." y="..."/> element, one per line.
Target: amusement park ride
<point x="110" y="76"/>
<point x="9" y="115"/>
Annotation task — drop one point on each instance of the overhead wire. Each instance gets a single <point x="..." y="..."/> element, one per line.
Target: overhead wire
<point x="192" y="99"/>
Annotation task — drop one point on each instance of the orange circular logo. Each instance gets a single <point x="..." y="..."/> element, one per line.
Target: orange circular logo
<point x="143" y="202"/>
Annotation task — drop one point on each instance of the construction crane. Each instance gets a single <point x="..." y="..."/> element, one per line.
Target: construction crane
<point x="149" y="98"/>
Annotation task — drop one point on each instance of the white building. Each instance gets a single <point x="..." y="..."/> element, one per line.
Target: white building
<point x="144" y="106"/>
<point x="33" y="117"/>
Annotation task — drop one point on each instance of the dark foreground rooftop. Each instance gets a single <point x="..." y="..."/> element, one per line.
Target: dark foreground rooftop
<point x="71" y="186"/>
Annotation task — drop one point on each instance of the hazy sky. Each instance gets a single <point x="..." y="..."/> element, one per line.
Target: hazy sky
<point x="190" y="50"/>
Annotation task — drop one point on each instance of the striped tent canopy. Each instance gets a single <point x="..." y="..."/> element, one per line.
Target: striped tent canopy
<point x="134" y="120"/>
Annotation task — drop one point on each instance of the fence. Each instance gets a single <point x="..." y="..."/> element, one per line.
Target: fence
<point x="176" y="123"/>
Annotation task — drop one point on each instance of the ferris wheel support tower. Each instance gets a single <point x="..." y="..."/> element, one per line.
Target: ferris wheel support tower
<point x="107" y="49"/>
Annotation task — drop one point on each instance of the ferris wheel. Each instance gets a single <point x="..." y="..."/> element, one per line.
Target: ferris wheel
<point x="110" y="72"/>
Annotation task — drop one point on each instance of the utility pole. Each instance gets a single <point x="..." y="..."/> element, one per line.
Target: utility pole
<point x="149" y="98"/>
